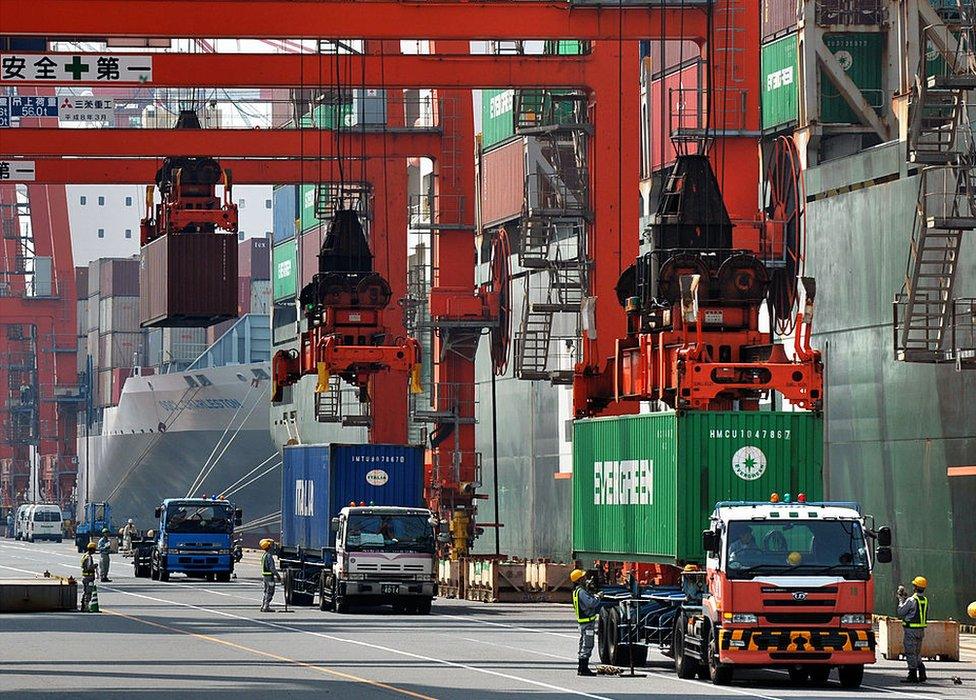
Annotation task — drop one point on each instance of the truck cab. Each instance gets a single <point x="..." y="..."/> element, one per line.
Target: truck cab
<point x="97" y="517"/>
<point x="786" y="584"/>
<point x="383" y="554"/>
<point x="194" y="536"/>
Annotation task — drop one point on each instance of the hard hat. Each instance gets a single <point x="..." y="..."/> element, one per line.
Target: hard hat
<point x="104" y="530"/>
<point x="576" y="575"/>
<point x="130" y="521"/>
<point x="92" y="547"/>
<point x="920" y="582"/>
<point x="794" y="558"/>
<point x="266" y="543"/>
<point x="971" y="610"/>
<point x="690" y="568"/>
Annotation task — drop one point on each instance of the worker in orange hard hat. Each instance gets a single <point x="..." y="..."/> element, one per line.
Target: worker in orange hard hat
<point x="913" y="611"/>
<point x="269" y="573"/>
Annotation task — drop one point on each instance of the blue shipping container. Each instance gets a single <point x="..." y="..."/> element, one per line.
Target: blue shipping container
<point x="285" y="210"/>
<point x="319" y="480"/>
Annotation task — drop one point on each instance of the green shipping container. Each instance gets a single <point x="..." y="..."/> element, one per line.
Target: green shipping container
<point x="284" y="270"/>
<point x="327" y="116"/>
<point x="644" y="486"/>
<point x="861" y="56"/>
<point x="780" y="82"/>
<point x="306" y="214"/>
<point x="497" y="116"/>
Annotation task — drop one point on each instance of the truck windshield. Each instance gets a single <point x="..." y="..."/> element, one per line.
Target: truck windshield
<point x="188" y="517"/>
<point x="804" y="548"/>
<point x="389" y="532"/>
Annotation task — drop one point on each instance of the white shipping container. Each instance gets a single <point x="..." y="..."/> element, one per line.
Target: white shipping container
<point x="261" y="297"/>
<point x="118" y="314"/>
<point x="81" y="319"/>
<point x="91" y="314"/>
<point x="91" y="346"/>
<point x="82" y="356"/>
<point x="183" y="344"/>
<point x="103" y="397"/>
<point x="120" y="349"/>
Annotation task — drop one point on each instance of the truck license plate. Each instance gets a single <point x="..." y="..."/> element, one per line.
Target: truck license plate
<point x="391" y="588"/>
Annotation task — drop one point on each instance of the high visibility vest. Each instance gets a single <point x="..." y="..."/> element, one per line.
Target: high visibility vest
<point x="87" y="565"/>
<point x="579" y="618"/>
<point x="920" y="619"/>
<point x="267" y="565"/>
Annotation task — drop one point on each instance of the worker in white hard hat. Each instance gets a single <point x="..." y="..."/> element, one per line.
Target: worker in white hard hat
<point x="587" y="609"/>
<point x="913" y="611"/>
<point x="128" y="532"/>
<point x="269" y="573"/>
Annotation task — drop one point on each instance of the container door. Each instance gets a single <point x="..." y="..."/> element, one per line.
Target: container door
<point x="381" y="475"/>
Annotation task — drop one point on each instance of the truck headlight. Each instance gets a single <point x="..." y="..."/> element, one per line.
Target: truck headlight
<point x="744" y="619"/>
<point x="854" y="619"/>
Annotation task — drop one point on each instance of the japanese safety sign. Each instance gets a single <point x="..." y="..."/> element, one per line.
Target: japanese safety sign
<point x="79" y="68"/>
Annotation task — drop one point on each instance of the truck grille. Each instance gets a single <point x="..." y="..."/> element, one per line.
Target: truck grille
<point x="391" y="568"/>
<point x="802" y="618"/>
<point x="790" y="603"/>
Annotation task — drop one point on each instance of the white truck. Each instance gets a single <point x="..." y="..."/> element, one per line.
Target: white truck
<point x="382" y="555"/>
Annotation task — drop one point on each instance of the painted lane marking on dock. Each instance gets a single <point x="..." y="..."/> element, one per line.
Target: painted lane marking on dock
<point x="276" y="657"/>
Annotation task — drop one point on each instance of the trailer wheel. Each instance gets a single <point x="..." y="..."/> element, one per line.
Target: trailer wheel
<point x="850" y="676"/>
<point x="685" y="666"/>
<point x="340" y="604"/>
<point x="603" y="636"/>
<point x="287" y="583"/>
<point x="719" y="673"/>
<point x="324" y="603"/>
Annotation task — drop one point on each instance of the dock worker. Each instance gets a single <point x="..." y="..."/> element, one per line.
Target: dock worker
<point x="128" y="532"/>
<point x="269" y="572"/>
<point x="913" y="611"/>
<point x="587" y="608"/>
<point x="88" y="569"/>
<point x="104" y="551"/>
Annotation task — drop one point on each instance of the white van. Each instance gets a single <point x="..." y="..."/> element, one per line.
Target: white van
<point x="44" y="522"/>
<point x="20" y="521"/>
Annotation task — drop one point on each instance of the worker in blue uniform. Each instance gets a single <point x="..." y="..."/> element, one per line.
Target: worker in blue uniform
<point x="587" y="608"/>
<point x="269" y="573"/>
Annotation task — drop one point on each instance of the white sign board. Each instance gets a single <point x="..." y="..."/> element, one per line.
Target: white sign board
<point x="78" y="68"/>
<point x="16" y="171"/>
<point x="86" y="109"/>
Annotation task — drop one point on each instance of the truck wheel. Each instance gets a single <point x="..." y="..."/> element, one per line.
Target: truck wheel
<point x="685" y="666"/>
<point x="718" y="673"/>
<point x="163" y="575"/>
<point x="153" y="571"/>
<point x="850" y="676"/>
<point x="603" y="636"/>
<point x="286" y="583"/>
<point x="223" y="577"/>
<point x="58" y="540"/>
<point x="324" y="603"/>
<point x="422" y="606"/>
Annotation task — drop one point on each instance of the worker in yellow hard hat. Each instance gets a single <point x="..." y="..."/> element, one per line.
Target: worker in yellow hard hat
<point x="88" y="570"/>
<point x="269" y="572"/>
<point x="913" y="611"/>
<point x="587" y="609"/>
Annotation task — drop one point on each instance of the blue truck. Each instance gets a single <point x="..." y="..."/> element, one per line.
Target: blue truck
<point x="355" y="529"/>
<point x="194" y="536"/>
<point x="97" y="517"/>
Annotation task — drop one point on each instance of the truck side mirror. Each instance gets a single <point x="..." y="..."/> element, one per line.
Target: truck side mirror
<point x="334" y="524"/>
<point x="158" y="512"/>
<point x="884" y="555"/>
<point x="238" y="517"/>
<point x="884" y="536"/>
<point x="710" y="541"/>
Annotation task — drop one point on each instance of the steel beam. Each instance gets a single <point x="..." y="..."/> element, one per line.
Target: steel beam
<point x="142" y="171"/>
<point x="217" y="143"/>
<point x="372" y="19"/>
<point x="310" y="70"/>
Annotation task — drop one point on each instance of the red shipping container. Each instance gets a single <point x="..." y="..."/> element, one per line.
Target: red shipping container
<point x="254" y="259"/>
<point x="671" y="55"/>
<point x="779" y="17"/>
<point x="673" y="102"/>
<point x="190" y="280"/>
<point x="118" y="277"/>
<point x="502" y="182"/>
<point x="309" y="246"/>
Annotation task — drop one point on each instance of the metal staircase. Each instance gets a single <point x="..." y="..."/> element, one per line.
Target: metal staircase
<point x="553" y="228"/>
<point x="927" y="326"/>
